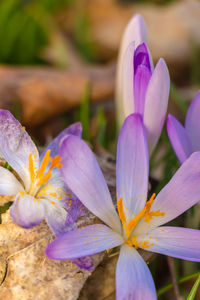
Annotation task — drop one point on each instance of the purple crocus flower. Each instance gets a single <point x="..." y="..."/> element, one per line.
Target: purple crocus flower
<point x="142" y="89"/>
<point x="138" y="223"/>
<point x="185" y="139"/>
<point x="38" y="187"/>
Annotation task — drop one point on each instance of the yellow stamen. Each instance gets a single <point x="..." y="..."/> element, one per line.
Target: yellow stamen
<point x="134" y="242"/>
<point x="121" y="213"/>
<point x="55" y="163"/>
<point x="44" y="164"/>
<point x="31" y="168"/>
<point x="133" y="223"/>
<point x="144" y="213"/>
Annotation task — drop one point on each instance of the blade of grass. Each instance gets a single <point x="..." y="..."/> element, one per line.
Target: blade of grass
<point x="169" y="286"/>
<point x="194" y="289"/>
<point x="85" y="112"/>
<point x="101" y="121"/>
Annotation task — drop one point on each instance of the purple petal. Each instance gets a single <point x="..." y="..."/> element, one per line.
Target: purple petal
<point x="142" y="75"/>
<point x="26" y="211"/>
<point x="83" y="176"/>
<point x="133" y="278"/>
<point x="141" y="80"/>
<point x="181" y="193"/>
<point x="132" y="166"/>
<point x="128" y="80"/>
<point x="141" y="57"/>
<point x="84" y="263"/>
<point x="178" y="242"/>
<point x="75" y="210"/>
<point x="74" y="129"/>
<point x="192" y="124"/>
<point x="178" y="138"/>
<point x="16" y="146"/>
<point x="156" y="103"/>
<point x="9" y="185"/>
<point x="82" y="242"/>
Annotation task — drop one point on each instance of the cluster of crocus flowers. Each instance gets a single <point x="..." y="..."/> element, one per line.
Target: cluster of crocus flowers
<point x="36" y="184"/>
<point x="138" y="224"/>
<point x="185" y="139"/>
<point x="141" y="88"/>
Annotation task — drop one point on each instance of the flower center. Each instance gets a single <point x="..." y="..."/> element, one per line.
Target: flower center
<point x="40" y="177"/>
<point x="145" y="214"/>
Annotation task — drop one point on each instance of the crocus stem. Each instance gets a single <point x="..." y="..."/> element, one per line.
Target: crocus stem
<point x="172" y="270"/>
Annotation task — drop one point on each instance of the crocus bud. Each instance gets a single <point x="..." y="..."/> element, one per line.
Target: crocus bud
<point x="143" y="89"/>
<point x="135" y="31"/>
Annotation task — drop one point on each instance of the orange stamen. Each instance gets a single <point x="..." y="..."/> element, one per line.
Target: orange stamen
<point x="144" y="213"/>
<point x="31" y="168"/>
<point x="44" y="164"/>
<point x="121" y="213"/>
<point x="55" y="163"/>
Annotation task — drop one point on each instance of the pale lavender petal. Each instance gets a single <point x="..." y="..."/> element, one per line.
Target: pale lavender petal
<point x="27" y="211"/>
<point x="179" y="139"/>
<point x="9" y="185"/>
<point x="192" y="124"/>
<point x="83" y="241"/>
<point x="83" y="176"/>
<point x="55" y="216"/>
<point x="128" y="80"/>
<point x="141" y="80"/>
<point x="132" y="166"/>
<point x="74" y="129"/>
<point x="156" y="103"/>
<point x="181" y="193"/>
<point x="16" y="146"/>
<point x="133" y="278"/>
<point x="135" y="31"/>
<point x="178" y="242"/>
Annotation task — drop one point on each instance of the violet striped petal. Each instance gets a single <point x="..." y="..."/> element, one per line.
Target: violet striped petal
<point x="74" y="129"/>
<point x="141" y="80"/>
<point x="132" y="166"/>
<point x="156" y="103"/>
<point x="178" y="242"/>
<point x="83" y="241"/>
<point x="16" y="146"/>
<point x="181" y="193"/>
<point x="83" y="176"/>
<point x="178" y="138"/>
<point x="84" y="263"/>
<point x="141" y="57"/>
<point x="133" y="278"/>
<point x="192" y="124"/>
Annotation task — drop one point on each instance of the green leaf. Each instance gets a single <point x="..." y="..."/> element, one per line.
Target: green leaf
<point x="85" y="112"/>
<point x="194" y="289"/>
<point x="101" y="120"/>
<point x="175" y="95"/>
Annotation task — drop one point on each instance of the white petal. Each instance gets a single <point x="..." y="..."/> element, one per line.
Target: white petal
<point x="9" y="185"/>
